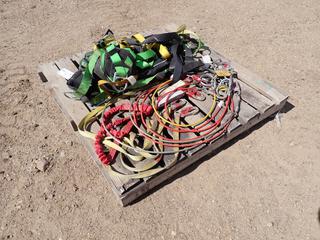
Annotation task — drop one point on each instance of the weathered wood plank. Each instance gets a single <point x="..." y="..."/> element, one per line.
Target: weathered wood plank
<point x="254" y="81"/>
<point x="204" y="105"/>
<point x="77" y="57"/>
<point x="254" y="98"/>
<point x="233" y="126"/>
<point x="73" y="110"/>
<point x="66" y="63"/>
<point x="247" y="113"/>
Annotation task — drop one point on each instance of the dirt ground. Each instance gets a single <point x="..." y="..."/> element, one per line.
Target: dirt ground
<point x="264" y="186"/>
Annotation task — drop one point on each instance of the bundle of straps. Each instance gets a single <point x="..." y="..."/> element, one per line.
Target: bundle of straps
<point x="129" y="64"/>
<point x="159" y="76"/>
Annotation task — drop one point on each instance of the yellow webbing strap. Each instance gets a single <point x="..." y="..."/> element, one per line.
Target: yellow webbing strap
<point x="144" y="169"/>
<point x="139" y="37"/>
<point x="117" y="83"/>
<point x="141" y="152"/>
<point x="153" y="124"/>
<point x="101" y="85"/>
<point x="94" y="115"/>
<point x="163" y="50"/>
<point x="109" y="144"/>
<point x="88" y="120"/>
<point x="147" y="160"/>
<point x="147" y="144"/>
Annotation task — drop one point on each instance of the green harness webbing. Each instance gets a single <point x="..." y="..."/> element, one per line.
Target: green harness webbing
<point x="86" y="79"/>
<point x="143" y="59"/>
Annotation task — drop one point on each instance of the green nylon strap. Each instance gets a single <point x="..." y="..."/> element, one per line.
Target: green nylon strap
<point x="128" y="62"/>
<point x="142" y="82"/>
<point x="143" y="64"/>
<point x="102" y="59"/>
<point x="146" y="55"/>
<point x="143" y="59"/>
<point x="84" y="61"/>
<point x="102" y="63"/>
<point x="131" y="52"/>
<point x="86" y="78"/>
<point x="115" y="58"/>
<point x="85" y="84"/>
<point x="93" y="60"/>
<point x="110" y="47"/>
<point x="121" y="71"/>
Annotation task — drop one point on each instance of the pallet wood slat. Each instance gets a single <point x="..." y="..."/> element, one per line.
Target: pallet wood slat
<point x="255" y="81"/>
<point x="77" y="57"/>
<point x="73" y="110"/>
<point x="259" y="101"/>
<point x="254" y="98"/>
<point x="118" y="182"/>
<point x="66" y="63"/>
<point x="247" y="113"/>
<point x="233" y="126"/>
<point x="57" y="85"/>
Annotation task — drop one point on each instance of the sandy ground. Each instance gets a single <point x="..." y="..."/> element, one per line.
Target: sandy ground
<point x="264" y="186"/>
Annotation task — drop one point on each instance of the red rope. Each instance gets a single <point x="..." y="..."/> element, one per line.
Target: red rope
<point x="108" y="157"/>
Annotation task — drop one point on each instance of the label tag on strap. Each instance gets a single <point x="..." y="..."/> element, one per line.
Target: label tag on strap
<point x="206" y="59"/>
<point x="67" y="74"/>
<point x="174" y="96"/>
<point x="132" y="80"/>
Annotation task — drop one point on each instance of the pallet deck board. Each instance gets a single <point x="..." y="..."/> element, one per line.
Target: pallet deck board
<point x="255" y="81"/>
<point x="73" y="110"/>
<point x="254" y="98"/>
<point x="259" y="100"/>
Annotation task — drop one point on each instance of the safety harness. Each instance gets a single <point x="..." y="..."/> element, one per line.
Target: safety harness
<point x="117" y="66"/>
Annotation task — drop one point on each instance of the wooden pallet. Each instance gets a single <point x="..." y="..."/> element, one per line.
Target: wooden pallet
<point x="259" y="101"/>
